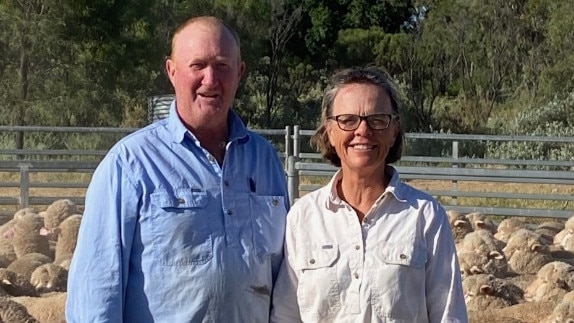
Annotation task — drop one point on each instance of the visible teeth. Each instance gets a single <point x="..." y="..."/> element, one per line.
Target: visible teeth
<point x="362" y="147"/>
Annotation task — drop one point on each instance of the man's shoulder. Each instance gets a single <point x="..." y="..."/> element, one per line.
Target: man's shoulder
<point x="147" y="136"/>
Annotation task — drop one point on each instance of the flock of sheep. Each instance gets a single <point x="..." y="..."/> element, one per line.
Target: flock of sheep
<point x="513" y="271"/>
<point x="35" y="253"/>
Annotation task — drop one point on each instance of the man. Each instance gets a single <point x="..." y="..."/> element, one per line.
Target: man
<point x="184" y="219"/>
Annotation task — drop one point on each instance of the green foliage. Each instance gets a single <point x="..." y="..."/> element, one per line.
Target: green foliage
<point x="553" y="119"/>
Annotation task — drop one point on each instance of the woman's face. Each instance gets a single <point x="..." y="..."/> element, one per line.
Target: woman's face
<point x="363" y="150"/>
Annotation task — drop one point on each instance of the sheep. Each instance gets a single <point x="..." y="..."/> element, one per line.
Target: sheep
<point x="481" y="241"/>
<point x="28" y="236"/>
<point x="563" y="312"/>
<point x="566" y="234"/>
<point x="16" y="284"/>
<point x="522" y="312"/>
<point x="526" y="253"/>
<point x="8" y="225"/>
<point x="479" y="221"/>
<point x="548" y="230"/>
<point x="67" y="233"/>
<point x="48" y="308"/>
<point x="507" y="227"/>
<point x="49" y="278"/>
<point x="486" y="291"/>
<point x="12" y="311"/>
<point x="472" y="263"/>
<point x="7" y="254"/>
<point x="28" y="263"/>
<point x="551" y="283"/>
<point x="459" y="224"/>
<point x="57" y="212"/>
<point x="480" y="252"/>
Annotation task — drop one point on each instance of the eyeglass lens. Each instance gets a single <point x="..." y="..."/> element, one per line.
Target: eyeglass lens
<point x="352" y="121"/>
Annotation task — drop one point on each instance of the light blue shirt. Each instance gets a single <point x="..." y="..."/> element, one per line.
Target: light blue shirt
<point x="170" y="236"/>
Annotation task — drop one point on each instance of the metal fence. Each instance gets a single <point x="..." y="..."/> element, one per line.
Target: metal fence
<point x="22" y="183"/>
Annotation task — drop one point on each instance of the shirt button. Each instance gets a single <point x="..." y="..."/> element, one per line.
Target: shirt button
<point x="211" y="159"/>
<point x="274" y="202"/>
<point x="403" y="256"/>
<point x="311" y="261"/>
<point x="229" y="212"/>
<point x="356" y="276"/>
<point x="180" y="201"/>
<point x="357" y="247"/>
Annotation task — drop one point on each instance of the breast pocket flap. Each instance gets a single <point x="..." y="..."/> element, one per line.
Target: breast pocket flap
<point x="402" y="254"/>
<point x="179" y="198"/>
<point x="318" y="257"/>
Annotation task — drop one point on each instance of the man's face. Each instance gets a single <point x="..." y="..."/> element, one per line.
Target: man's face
<point x="205" y="70"/>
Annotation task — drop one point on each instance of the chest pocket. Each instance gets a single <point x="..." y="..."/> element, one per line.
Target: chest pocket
<point x="399" y="281"/>
<point x="318" y="292"/>
<point x="180" y="227"/>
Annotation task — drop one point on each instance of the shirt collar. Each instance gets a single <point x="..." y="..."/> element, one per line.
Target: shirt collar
<point x="237" y="130"/>
<point x="395" y="187"/>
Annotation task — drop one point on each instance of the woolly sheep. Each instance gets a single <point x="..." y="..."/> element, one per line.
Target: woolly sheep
<point x="472" y="263"/>
<point x="479" y="221"/>
<point x="11" y="311"/>
<point x="481" y="241"/>
<point x="459" y="224"/>
<point x="507" y="227"/>
<point x="526" y="253"/>
<point x="67" y="233"/>
<point x="28" y="236"/>
<point x="57" y="212"/>
<point x="550" y="283"/>
<point x="523" y="239"/>
<point x="528" y="261"/>
<point x="563" y="312"/>
<point x="16" y="284"/>
<point x="7" y="254"/>
<point x="49" y="278"/>
<point x="486" y="291"/>
<point x="548" y="230"/>
<point x="28" y="263"/>
<point x="48" y="308"/>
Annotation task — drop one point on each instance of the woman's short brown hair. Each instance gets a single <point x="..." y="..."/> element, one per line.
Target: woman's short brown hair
<point x="354" y="75"/>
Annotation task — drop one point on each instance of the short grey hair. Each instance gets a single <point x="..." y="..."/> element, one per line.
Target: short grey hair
<point x="356" y="75"/>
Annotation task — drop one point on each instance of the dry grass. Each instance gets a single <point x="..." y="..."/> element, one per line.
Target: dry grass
<point x="421" y="184"/>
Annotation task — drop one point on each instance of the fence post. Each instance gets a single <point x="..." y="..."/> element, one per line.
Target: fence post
<point x="292" y="179"/>
<point x="454" y="165"/>
<point x="24" y="184"/>
<point x="288" y="144"/>
<point x="296" y="141"/>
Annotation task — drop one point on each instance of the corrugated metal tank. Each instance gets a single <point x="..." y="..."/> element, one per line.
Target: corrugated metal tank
<point x="158" y="106"/>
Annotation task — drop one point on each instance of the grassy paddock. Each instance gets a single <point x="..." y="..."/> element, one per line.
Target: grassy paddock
<point x="484" y="187"/>
<point x="322" y="180"/>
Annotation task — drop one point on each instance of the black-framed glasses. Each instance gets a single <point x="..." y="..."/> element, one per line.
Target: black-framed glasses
<point x="350" y="122"/>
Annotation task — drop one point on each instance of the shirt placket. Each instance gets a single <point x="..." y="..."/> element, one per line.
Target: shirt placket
<point x="356" y="261"/>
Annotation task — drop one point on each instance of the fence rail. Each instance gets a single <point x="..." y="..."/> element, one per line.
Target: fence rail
<point x="21" y="168"/>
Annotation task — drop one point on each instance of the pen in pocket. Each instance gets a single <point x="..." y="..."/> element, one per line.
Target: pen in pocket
<point x="252" y="184"/>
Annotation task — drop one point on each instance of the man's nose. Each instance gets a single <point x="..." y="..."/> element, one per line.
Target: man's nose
<point x="209" y="75"/>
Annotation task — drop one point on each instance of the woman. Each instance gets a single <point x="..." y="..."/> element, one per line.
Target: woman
<point x="366" y="247"/>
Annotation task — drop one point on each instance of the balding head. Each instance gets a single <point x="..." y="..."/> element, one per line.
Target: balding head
<point x="207" y="21"/>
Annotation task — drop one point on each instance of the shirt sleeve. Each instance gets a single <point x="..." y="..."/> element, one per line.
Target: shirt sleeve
<point x="444" y="295"/>
<point x="285" y="306"/>
<point x="99" y="268"/>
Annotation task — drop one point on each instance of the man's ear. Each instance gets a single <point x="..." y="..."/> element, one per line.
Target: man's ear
<point x="170" y="68"/>
<point x="241" y="69"/>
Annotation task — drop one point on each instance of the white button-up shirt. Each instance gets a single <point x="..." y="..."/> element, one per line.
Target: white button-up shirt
<point x="398" y="265"/>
